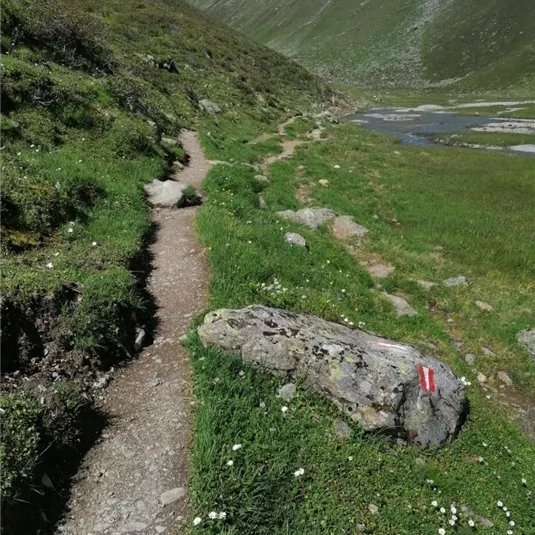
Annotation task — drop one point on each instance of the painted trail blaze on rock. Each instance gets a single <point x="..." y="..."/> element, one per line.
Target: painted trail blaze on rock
<point x="382" y="384"/>
<point x="427" y="378"/>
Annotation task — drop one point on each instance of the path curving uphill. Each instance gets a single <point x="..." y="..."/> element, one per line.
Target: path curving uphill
<point x="135" y="479"/>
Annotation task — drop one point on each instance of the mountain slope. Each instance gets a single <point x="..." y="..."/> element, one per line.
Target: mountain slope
<point x="94" y="95"/>
<point x="395" y="43"/>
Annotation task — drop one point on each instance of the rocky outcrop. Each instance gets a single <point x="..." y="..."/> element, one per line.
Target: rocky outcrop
<point x="374" y="380"/>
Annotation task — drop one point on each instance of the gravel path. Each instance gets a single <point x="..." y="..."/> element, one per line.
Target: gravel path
<point x="135" y="479"/>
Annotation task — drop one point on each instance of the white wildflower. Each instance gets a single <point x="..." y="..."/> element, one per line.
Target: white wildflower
<point x="230" y="463"/>
<point x="50" y="265"/>
<point x="212" y="515"/>
<point x="236" y="447"/>
<point x="197" y="520"/>
<point x="434" y="503"/>
<point x="453" y="510"/>
<point x="524" y="481"/>
<point x="442" y="510"/>
<point x="451" y="522"/>
<point x="471" y="523"/>
<point x="284" y="409"/>
<point x="70" y="230"/>
<point x="499" y="503"/>
<point x="299" y="472"/>
<point x="512" y="524"/>
<point x="441" y="531"/>
<point x="94" y="244"/>
<point x="336" y="166"/>
<point x="350" y="458"/>
<point x="222" y="515"/>
<point x="509" y="532"/>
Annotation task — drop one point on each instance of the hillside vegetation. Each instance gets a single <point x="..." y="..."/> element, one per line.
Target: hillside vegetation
<point x="94" y="95"/>
<point x="476" y="45"/>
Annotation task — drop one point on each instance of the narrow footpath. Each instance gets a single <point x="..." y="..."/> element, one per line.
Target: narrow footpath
<point x="135" y="479"/>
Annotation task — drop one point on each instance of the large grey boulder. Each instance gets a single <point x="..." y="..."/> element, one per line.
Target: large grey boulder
<point x="311" y="217"/>
<point x="374" y="380"/>
<point x="527" y="339"/>
<point x="165" y="194"/>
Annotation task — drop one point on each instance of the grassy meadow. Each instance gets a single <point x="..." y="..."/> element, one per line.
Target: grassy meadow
<point x="432" y="214"/>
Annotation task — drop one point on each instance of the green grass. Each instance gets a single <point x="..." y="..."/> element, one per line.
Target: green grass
<point x="488" y="138"/>
<point x="458" y="213"/>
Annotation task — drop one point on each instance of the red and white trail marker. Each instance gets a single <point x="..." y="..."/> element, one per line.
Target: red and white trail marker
<point x="427" y="378"/>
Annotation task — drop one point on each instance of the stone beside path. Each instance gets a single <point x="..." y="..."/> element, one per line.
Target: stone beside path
<point x="375" y="381"/>
<point x="135" y="479"/>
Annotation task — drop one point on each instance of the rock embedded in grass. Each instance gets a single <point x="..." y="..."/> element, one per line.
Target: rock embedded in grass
<point x="345" y="228"/>
<point x="400" y="305"/>
<point x="311" y="217"/>
<point x="295" y="239"/>
<point x="375" y="381"/>
<point x="527" y="339"/>
<point x="460" y="280"/>
<point x="208" y="106"/>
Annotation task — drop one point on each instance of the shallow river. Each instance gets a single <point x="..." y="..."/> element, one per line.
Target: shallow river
<point x="418" y="126"/>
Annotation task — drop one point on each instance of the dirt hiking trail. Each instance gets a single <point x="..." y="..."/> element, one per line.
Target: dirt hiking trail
<point x="135" y="479"/>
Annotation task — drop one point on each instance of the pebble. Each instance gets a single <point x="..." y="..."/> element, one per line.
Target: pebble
<point x="160" y="529"/>
<point x="481" y="378"/>
<point x="484" y="306"/>
<point x="172" y="495"/>
<point x="470" y="359"/>
<point x="504" y="378"/>
<point x="373" y="509"/>
<point x="486" y="351"/>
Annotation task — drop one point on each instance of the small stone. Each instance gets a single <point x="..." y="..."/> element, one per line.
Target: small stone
<point x="484" y="306"/>
<point x="156" y="382"/>
<point x="342" y="429"/>
<point x="486" y="351"/>
<point x="209" y="107"/>
<point x="46" y="481"/>
<point x="401" y="306"/>
<point x="461" y="280"/>
<point x="420" y="461"/>
<point x="470" y="359"/>
<point x="505" y="379"/>
<point x="160" y="529"/>
<point x="287" y="392"/>
<point x="527" y="339"/>
<point x="373" y="509"/>
<point x="482" y="378"/>
<point x="261" y="178"/>
<point x="165" y="194"/>
<point x="311" y="217"/>
<point x="262" y="202"/>
<point x="172" y="495"/>
<point x="169" y="141"/>
<point x="295" y="239"/>
<point x="323" y="182"/>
